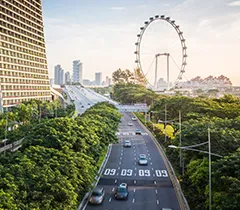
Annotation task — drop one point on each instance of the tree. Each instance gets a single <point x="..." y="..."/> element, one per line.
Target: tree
<point x="139" y="77"/>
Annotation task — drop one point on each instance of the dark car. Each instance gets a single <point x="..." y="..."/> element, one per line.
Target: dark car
<point x="97" y="196"/>
<point x="138" y="132"/>
<point x="121" y="193"/>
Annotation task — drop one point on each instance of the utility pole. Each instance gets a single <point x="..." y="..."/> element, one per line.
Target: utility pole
<point x="210" y="170"/>
<point x="165" y="123"/>
<point x="180" y="137"/>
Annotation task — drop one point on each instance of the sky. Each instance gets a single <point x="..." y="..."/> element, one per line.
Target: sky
<point x="102" y="34"/>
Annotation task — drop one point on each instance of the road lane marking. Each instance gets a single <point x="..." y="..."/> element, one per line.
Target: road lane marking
<point x="112" y="189"/>
<point x="118" y="168"/>
<point x="120" y="158"/>
<point x="155" y="182"/>
<point x="135" y="168"/>
<point x="134" y="190"/>
<point x="110" y="200"/>
<point x="149" y="158"/>
<point x="133" y="200"/>
<point x="120" y="163"/>
<point x="152" y="169"/>
<point x="115" y="181"/>
<point x="117" y="174"/>
<point x="135" y="181"/>
<point x="151" y="163"/>
<point x="157" y="202"/>
<point x="156" y="191"/>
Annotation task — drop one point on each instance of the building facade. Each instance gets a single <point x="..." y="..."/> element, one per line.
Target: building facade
<point x="58" y="75"/>
<point x="98" y="78"/>
<point x="77" y="71"/>
<point x="23" y="64"/>
<point x="67" y="78"/>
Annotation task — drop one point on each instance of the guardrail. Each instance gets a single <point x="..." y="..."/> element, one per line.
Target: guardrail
<point x="13" y="147"/>
<point x="180" y="196"/>
<point x="85" y="199"/>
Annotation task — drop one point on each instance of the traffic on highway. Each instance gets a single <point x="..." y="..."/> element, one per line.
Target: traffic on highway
<point x="135" y="176"/>
<point x="140" y="168"/>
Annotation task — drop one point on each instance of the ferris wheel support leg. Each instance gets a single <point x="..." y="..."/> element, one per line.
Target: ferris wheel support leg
<point x="156" y="65"/>
<point x="167" y="71"/>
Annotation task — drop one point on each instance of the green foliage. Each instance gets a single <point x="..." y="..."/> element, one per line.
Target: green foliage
<point x="133" y="93"/>
<point x="58" y="160"/>
<point x="222" y="116"/>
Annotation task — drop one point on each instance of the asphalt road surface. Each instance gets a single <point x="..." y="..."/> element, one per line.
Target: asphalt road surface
<point x="150" y="187"/>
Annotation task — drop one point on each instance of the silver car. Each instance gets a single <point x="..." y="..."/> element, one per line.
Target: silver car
<point x="142" y="159"/>
<point x="97" y="196"/>
<point x="127" y="143"/>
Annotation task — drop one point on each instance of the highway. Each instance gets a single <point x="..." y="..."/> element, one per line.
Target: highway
<point x="150" y="186"/>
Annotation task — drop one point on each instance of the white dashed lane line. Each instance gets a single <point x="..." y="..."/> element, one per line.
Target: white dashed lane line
<point x="157" y="202"/>
<point x="112" y="189"/>
<point x="134" y="190"/>
<point x="133" y="200"/>
<point x="156" y="191"/>
<point x="110" y="200"/>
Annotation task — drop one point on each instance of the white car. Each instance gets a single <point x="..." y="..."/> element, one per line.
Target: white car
<point x="127" y="143"/>
<point x="134" y="118"/>
<point x="142" y="159"/>
<point x="130" y="123"/>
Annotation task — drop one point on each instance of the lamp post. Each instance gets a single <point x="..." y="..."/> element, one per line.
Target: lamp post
<point x="191" y="147"/>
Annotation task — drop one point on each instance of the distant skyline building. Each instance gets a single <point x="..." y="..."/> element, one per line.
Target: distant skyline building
<point x="23" y="63"/>
<point x="58" y="75"/>
<point x="98" y="78"/>
<point x="67" y="78"/>
<point x="77" y="71"/>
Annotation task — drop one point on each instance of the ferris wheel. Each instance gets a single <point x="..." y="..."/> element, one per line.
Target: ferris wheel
<point x="181" y="67"/>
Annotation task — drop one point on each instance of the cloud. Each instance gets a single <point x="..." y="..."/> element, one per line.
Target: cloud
<point x="234" y="4"/>
<point x="117" y="8"/>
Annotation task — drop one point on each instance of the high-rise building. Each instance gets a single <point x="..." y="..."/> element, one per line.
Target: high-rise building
<point x="98" y="78"/>
<point x="23" y="64"/>
<point x="67" y="78"/>
<point x="58" y="75"/>
<point x="77" y="71"/>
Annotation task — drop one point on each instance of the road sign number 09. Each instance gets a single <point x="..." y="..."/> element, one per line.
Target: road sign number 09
<point x="126" y="172"/>
<point x="110" y="172"/>
<point x="161" y="173"/>
<point x="144" y="172"/>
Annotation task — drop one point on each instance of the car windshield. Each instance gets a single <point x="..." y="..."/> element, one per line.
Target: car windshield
<point x="97" y="193"/>
<point x="121" y="189"/>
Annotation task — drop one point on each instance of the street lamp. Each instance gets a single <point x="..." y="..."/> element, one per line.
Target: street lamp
<point x="191" y="147"/>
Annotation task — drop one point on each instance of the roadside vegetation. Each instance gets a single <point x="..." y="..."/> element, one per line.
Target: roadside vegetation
<point x="58" y="160"/>
<point x="222" y="117"/>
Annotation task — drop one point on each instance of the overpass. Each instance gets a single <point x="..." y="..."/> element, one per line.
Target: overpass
<point x="124" y="108"/>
